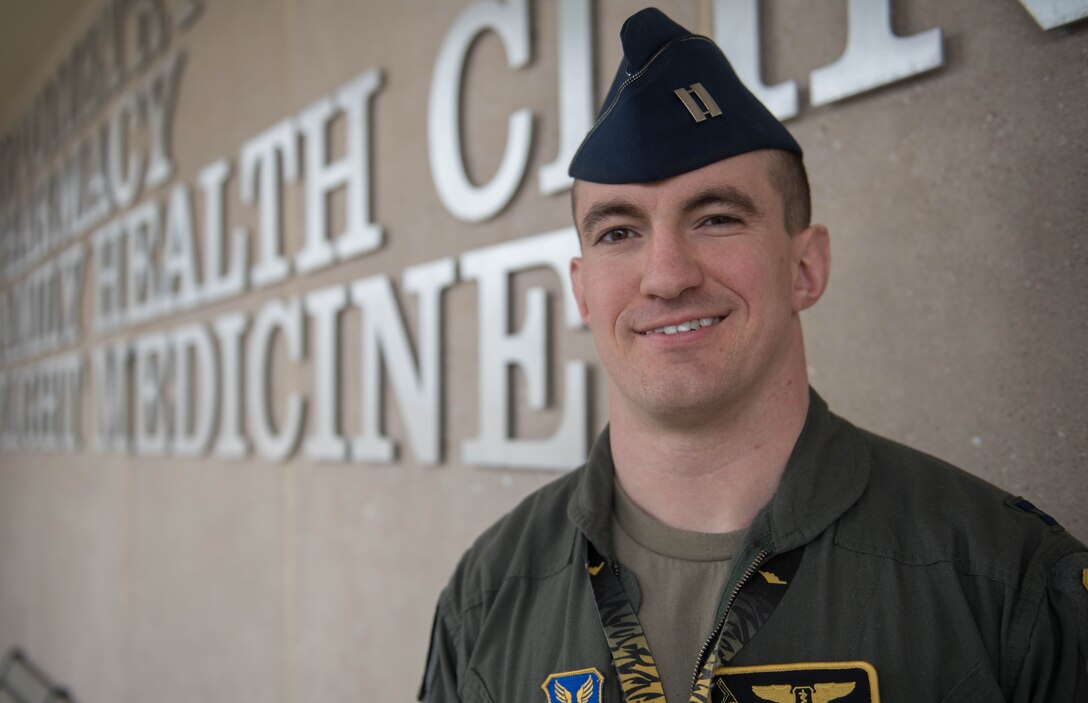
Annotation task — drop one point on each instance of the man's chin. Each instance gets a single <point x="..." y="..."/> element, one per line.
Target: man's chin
<point x="683" y="405"/>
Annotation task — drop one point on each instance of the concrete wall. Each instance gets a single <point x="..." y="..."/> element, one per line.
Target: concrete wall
<point x="955" y="322"/>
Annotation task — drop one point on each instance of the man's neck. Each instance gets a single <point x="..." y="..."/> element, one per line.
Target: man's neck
<point x="712" y="476"/>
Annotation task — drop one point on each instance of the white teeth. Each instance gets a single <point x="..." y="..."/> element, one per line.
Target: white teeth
<point x="689" y="326"/>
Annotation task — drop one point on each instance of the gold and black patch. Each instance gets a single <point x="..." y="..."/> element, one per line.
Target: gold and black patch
<point x="804" y="682"/>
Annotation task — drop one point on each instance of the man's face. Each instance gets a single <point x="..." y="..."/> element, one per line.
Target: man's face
<point x="692" y="287"/>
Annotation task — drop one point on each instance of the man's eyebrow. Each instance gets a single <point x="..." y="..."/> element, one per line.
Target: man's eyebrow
<point x="728" y="196"/>
<point x="605" y="209"/>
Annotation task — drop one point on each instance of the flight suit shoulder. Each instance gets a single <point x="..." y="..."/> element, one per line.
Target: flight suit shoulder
<point x="918" y="509"/>
<point x="534" y="540"/>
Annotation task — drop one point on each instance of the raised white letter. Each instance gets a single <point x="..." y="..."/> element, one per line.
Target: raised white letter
<point x="874" y="56"/>
<point x="192" y="438"/>
<point x="71" y="293"/>
<point x="111" y="365"/>
<point x="108" y="306"/>
<point x="69" y="370"/>
<point x="736" y="30"/>
<point x="124" y="189"/>
<point x="217" y="283"/>
<point x="153" y="369"/>
<point x="142" y="289"/>
<point x="178" y="286"/>
<point x="352" y="172"/>
<point x="527" y="349"/>
<point x="1056" y="13"/>
<point x="575" y="90"/>
<point x="384" y="340"/>
<point x="232" y="442"/>
<point x="261" y="181"/>
<point x="287" y="318"/>
<point x="463" y="199"/>
<point x="161" y="91"/>
<point x="325" y="442"/>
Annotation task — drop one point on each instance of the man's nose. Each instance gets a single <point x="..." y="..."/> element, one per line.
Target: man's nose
<point x="672" y="266"/>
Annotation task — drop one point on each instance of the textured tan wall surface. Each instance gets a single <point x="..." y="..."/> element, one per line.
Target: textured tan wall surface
<point x="955" y="322"/>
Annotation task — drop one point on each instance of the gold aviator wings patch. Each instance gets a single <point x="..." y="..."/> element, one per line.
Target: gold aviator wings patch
<point x="817" y="693"/>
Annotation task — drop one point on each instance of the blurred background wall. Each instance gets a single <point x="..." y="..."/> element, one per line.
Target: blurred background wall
<point x="284" y="318"/>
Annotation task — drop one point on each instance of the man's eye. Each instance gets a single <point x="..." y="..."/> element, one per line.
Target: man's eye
<point x="721" y="220"/>
<point x="616" y="234"/>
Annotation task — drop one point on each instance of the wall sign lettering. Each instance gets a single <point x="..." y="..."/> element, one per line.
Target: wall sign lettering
<point x="76" y="219"/>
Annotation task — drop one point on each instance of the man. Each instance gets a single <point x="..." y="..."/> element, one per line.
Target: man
<point x="729" y="539"/>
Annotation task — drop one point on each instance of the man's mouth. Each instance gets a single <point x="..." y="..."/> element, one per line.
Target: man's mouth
<point x="689" y="326"/>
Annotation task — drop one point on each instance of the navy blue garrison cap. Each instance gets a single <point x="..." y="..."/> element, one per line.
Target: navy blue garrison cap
<point x="675" y="105"/>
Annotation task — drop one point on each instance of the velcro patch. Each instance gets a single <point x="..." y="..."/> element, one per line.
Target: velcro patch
<point x="582" y="686"/>
<point x="1025" y="505"/>
<point x="803" y="682"/>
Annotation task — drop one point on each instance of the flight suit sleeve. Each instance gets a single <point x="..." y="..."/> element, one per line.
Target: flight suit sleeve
<point x="440" y="677"/>
<point x="1056" y="665"/>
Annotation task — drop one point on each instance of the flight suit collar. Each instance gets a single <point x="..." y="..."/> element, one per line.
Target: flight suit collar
<point x="825" y="475"/>
<point x="590" y="509"/>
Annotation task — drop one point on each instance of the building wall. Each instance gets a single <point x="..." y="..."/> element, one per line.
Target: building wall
<point x="954" y="321"/>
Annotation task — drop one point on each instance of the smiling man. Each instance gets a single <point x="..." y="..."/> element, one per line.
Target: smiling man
<point x="729" y="538"/>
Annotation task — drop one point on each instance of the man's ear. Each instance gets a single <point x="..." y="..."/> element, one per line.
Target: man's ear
<point x="576" y="285"/>
<point x="811" y="265"/>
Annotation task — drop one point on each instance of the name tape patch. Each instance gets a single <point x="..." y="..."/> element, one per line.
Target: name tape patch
<point x="803" y="682"/>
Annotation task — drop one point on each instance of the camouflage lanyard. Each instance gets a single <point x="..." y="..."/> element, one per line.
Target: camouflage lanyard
<point x="749" y="606"/>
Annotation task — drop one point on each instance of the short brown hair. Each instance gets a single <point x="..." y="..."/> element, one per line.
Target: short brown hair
<point x="789" y="177"/>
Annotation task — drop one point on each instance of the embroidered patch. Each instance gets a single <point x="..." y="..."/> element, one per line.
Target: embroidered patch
<point x="582" y="686"/>
<point x="772" y="578"/>
<point x="803" y="682"/>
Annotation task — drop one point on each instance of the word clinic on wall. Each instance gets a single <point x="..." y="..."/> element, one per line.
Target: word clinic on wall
<point x="201" y="388"/>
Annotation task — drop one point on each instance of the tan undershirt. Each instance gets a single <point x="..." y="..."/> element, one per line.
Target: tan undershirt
<point x="680" y="575"/>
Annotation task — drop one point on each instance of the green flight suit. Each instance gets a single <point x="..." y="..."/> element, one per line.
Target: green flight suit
<point x="949" y="588"/>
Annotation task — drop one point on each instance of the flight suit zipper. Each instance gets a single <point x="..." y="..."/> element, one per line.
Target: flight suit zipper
<point x="704" y="652"/>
